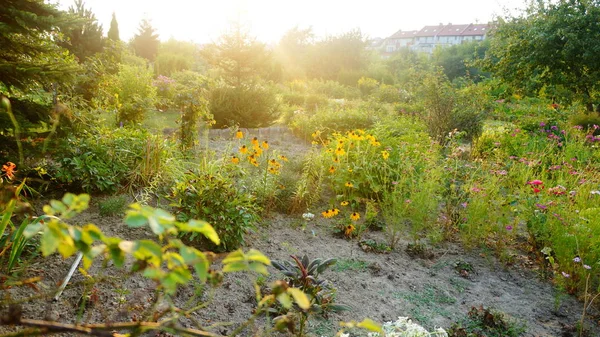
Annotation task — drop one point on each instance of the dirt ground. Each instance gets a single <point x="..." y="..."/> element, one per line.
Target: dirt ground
<point x="430" y="289"/>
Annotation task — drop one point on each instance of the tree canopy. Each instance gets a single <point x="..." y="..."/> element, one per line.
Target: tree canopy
<point x="145" y="43"/>
<point x="29" y="55"/>
<point x="553" y="47"/>
<point x="113" y="32"/>
<point x="85" y="35"/>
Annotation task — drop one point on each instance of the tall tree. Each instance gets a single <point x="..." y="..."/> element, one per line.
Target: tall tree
<point x="554" y="46"/>
<point x="239" y="56"/>
<point x="113" y="32"/>
<point x="85" y="36"/>
<point x="29" y="54"/>
<point x="145" y="43"/>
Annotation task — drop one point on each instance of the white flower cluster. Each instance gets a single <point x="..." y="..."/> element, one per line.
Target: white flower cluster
<point x="404" y="327"/>
<point x="308" y="216"/>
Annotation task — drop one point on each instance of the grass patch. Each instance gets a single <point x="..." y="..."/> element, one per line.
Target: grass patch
<point x="485" y="322"/>
<point x="156" y="121"/>
<point x="113" y="205"/>
<point x="350" y="264"/>
<point x="426" y="304"/>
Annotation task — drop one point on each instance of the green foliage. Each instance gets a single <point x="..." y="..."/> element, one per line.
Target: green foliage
<point x="249" y="106"/>
<point x="367" y="85"/>
<point x="113" y="31"/>
<point x="108" y="160"/>
<point x="175" y="56"/>
<point x="83" y="37"/>
<point x="30" y="56"/>
<point x="113" y="205"/>
<point x="214" y="198"/>
<point x="586" y="121"/>
<point x="458" y="60"/>
<point x="145" y="43"/>
<point x="482" y="322"/>
<point x="562" y="34"/>
<point x="12" y="240"/>
<point x="449" y="109"/>
<point x="304" y="274"/>
<point x="130" y="91"/>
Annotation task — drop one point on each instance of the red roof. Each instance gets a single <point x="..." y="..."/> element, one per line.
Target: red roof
<point x="477" y="29"/>
<point x="453" y="30"/>
<point x="429" y="31"/>
<point x="409" y="34"/>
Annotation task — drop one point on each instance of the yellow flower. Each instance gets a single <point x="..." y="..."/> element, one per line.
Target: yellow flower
<point x="354" y="216"/>
<point x="257" y="151"/>
<point x="239" y="135"/>
<point x="282" y="186"/>
<point x="331" y="169"/>
<point x="273" y="170"/>
<point x="349" y="230"/>
<point x="350" y="170"/>
<point x="361" y="131"/>
<point x="283" y="158"/>
<point x="327" y="214"/>
<point x="385" y="154"/>
<point x="344" y="203"/>
<point x="235" y="160"/>
<point x="265" y="145"/>
<point x="243" y="149"/>
<point x="340" y="151"/>
<point x="335" y="211"/>
<point x="375" y="142"/>
<point x="340" y="142"/>
<point x="336" y="160"/>
<point x="349" y="184"/>
<point x="254" y="141"/>
<point x="254" y="162"/>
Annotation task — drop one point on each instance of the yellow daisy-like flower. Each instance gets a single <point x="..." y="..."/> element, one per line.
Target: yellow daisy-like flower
<point x="281" y="186"/>
<point x="361" y="131"/>
<point x="331" y="169"/>
<point x="375" y="143"/>
<point x="254" y="141"/>
<point x="329" y="150"/>
<point x="344" y="203"/>
<point x="265" y="145"/>
<point x="235" y="160"/>
<point x="349" y="230"/>
<point x="254" y="162"/>
<point x="274" y="163"/>
<point x="350" y="170"/>
<point x="283" y="158"/>
<point x="349" y="184"/>
<point x="385" y="154"/>
<point x="243" y="149"/>
<point x="327" y="214"/>
<point x="335" y="211"/>
<point x="239" y="135"/>
<point x="273" y="170"/>
<point x="257" y="151"/>
<point x="336" y="160"/>
<point x="340" y="151"/>
<point x="354" y="216"/>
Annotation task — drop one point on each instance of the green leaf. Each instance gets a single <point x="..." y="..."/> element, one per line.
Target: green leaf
<point x="58" y="207"/>
<point x="49" y="242"/>
<point x="300" y="298"/>
<point x="258" y="267"/>
<point x="235" y="266"/>
<point x="174" y="260"/>
<point x="175" y="277"/>
<point x="285" y="300"/>
<point x="202" y="227"/>
<point x="135" y="220"/>
<point x="93" y="232"/>
<point x="148" y="251"/>
<point x="255" y="255"/>
<point x="32" y="230"/>
<point x="236" y="256"/>
<point x="197" y="259"/>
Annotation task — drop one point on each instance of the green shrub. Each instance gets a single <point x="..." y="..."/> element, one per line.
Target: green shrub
<point x="250" y="106"/>
<point x="293" y="98"/>
<point x="367" y="85"/>
<point x="387" y="94"/>
<point x="333" y="89"/>
<point x="586" y="121"/>
<point x="330" y="120"/>
<point x="113" y="205"/>
<point x="215" y="199"/>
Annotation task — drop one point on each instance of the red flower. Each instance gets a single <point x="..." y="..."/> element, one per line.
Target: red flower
<point x="536" y="190"/>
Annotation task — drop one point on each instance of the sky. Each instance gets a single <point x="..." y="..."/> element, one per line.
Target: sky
<point x="203" y="21"/>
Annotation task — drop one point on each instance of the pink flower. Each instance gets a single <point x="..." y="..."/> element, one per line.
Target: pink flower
<point x="565" y="274"/>
<point x="586" y="266"/>
<point x="535" y="183"/>
<point x="509" y="228"/>
<point x="577" y="259"/>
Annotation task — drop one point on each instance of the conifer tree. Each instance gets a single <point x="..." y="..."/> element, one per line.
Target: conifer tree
<point x="113" y="32"/>
<point x="85" y="36"/>
<point x="29" y="55"/>
<point x="145" y="43"/>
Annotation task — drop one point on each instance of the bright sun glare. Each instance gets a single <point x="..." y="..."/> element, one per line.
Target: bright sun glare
<point x="268" y="20"/>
